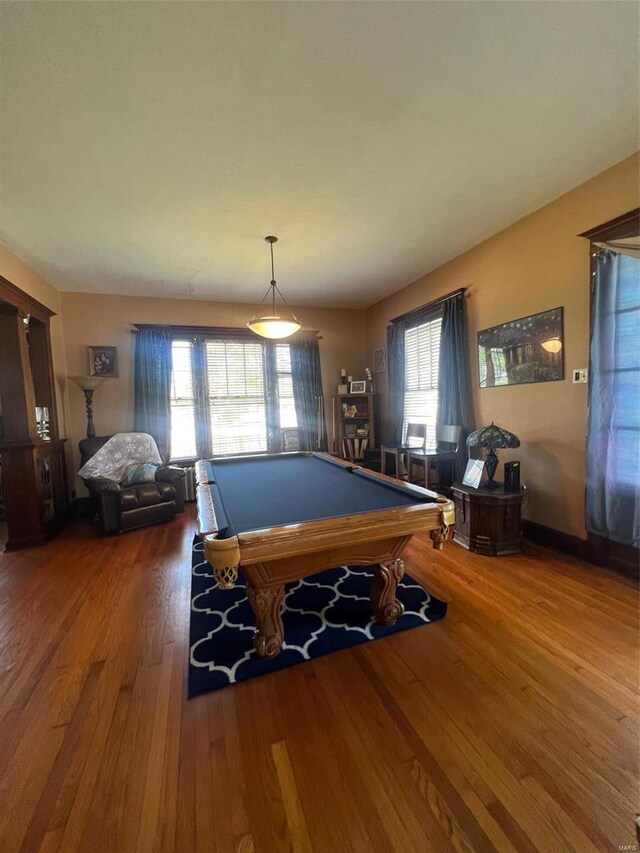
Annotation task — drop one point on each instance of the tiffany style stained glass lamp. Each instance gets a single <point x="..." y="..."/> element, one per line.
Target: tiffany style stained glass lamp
<point x="492" y="437"/>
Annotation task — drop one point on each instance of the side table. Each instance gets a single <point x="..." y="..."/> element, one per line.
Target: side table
<point x="488" y="521"/>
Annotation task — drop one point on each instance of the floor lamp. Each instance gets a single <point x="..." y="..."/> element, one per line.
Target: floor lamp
<point x="88" y="384"/>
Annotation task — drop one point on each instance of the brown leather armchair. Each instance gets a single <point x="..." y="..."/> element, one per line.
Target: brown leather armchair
<point x="121" y="508"/>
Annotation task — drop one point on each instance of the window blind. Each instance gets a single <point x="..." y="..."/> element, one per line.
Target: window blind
<point x="236" y="396"/>
<point x="286" y="403"/>
<point x="422" y="362"/>
<point x="220" y="398"/>
<point x="183" y="403"/>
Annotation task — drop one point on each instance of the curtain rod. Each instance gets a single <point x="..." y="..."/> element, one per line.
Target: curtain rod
<point x="207" y="330"/>
<point x="433" y="304"/>
<point x="627" y="225"/>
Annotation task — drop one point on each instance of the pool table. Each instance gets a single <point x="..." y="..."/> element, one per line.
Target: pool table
<point x="283" y="517"/>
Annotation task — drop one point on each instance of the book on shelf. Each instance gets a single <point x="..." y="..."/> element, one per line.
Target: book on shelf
<point x="362" y="444"/>
<point x="354" y="448"/>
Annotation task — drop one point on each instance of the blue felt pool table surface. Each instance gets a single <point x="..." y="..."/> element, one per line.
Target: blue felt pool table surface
<point x="260" y="492"/>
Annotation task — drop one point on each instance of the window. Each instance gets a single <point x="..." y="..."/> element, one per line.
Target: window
<point x="625" y="379"/>
<point x="223" y="400"/>
<point x="422" y="363"/>
<point x="183" y="402"/>
<point x="613" y="435"/>
<point x="287" y="409"/>
<point x="619" y="365"/>
<point x="236" y="397"/>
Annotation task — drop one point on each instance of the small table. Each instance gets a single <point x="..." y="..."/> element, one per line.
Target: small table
<point x="425" y="457"/>
<point x="285" y="517"/>
<point x="488" y="521"/>
<point x="398" y="453"/>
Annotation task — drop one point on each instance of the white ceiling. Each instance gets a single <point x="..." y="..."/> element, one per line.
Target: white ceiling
<point x="149" y="147"/>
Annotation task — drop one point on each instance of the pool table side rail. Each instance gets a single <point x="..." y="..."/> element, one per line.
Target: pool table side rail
<point x="201" y="470"/>
<point x="272" y="543"/>
<point x="203" y="477"/>
<point x="202" y="466"/>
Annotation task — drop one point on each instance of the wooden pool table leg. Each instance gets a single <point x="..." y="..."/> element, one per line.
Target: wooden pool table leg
<point x="266" y="604"/>
<point x="386" y="606"/>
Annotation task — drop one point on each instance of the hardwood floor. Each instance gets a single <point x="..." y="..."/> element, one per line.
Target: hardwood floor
<point x="510" y="725"/>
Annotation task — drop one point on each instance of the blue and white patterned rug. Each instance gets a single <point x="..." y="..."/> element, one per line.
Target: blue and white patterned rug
<point x="323" y="613"/>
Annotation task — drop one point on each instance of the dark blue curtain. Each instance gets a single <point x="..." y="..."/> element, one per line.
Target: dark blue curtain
<point x="152" y="387"/>
<point x="306" y="377"/>
<point x="613" y="442"/>
<point x="454" y="381"/>
<point x="396" y="383"/>
<point x="455" y="401"/>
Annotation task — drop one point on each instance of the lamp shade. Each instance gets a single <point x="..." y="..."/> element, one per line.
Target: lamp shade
<point x="493" y="436"/>
<point x="274" y="327"/>
<point x="88" y="383"/>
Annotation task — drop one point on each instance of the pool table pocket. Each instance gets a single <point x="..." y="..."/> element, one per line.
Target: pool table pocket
<point x="224" y="557"/>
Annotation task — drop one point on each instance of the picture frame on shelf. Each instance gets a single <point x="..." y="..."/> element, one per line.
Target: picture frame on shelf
<point x="379" y="360"/>
<point x="103" y="361"/>
<point x="358" y="387"/>
<point x="473" y="473"/>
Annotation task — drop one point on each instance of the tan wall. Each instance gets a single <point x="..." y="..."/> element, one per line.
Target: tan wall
<point x="107" y="320"/>
<point x="536" y="264"/>
<point x="17" y="272"/>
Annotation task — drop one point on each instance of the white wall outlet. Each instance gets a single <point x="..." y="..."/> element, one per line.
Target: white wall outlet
<point x="580" y="375"/>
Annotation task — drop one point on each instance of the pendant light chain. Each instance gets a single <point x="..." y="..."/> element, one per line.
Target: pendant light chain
<point x="273" y="282"/>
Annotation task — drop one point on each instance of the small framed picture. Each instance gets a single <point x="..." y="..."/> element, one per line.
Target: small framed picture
<point x="103" y="361"/>
<point x="473" y="473"/>
<point x="358" y="387"/>
<point x="379" y="360"/>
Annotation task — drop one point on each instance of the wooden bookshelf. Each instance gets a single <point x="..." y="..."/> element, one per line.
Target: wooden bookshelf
<point x="356" y="425"/>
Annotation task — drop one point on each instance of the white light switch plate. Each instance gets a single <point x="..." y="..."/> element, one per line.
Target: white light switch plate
<point x="580" y="375"/>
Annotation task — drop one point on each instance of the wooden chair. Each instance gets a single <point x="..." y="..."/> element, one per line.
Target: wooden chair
<point x="429" y="460"/>
<point x="415" y="439"/>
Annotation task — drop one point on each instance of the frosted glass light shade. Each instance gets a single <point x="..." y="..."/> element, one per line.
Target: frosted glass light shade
<point x="273" y="327"/>
<point x="88" y="383"/>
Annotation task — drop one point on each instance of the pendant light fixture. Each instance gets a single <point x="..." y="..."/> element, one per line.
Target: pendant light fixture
<point x="274" y="326"/>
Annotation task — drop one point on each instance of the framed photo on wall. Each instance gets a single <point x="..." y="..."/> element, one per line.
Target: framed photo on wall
<point x="103" y="361"/>
<point x="529" y="349"/>
<point x="379" y="360"/>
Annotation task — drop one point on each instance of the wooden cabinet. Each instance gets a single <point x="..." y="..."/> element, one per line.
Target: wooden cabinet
<point x="488" y="521"/>
<point x="35" y="489"/>
<point x="356" y="424"/>
<point x="32" y="462"/>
